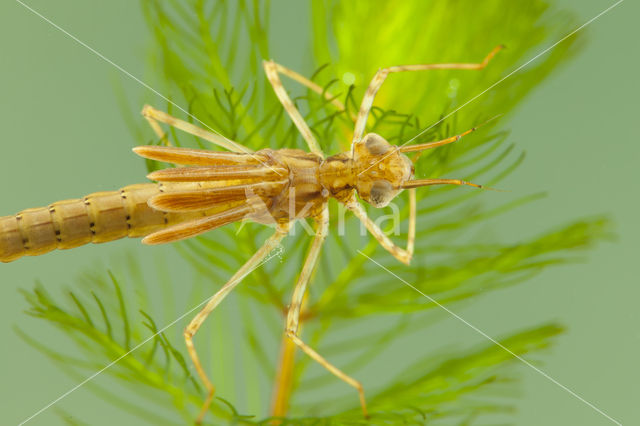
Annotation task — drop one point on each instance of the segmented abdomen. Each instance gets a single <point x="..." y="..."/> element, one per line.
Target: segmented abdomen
<point x="96" y="218"/>
<point x="217" y="189"/>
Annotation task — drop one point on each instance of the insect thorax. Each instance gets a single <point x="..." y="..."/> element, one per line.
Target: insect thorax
<point x="375" y="169"/>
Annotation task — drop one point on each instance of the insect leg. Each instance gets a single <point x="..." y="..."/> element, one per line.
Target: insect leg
<point x="411" y="238"/>
<point x="154" y="116"/>
<point x="271" y="69"/>
<point x="399" y="253"/>
<point x="310" y="84"/>
<point x="197" y="321"/>
<point x="294" y="309"/>
<point x="381" y="75"/>
<point x="310" y="262"/>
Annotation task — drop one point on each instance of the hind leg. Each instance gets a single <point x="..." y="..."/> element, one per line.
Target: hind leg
<point x="193" y="327"/>
<point x="154" y="116"/>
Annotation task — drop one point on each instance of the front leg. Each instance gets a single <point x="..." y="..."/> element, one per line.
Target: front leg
<point x="403" y="255"/>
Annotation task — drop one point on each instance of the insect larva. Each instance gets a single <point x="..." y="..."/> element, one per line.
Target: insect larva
<point x="278" y="186"/>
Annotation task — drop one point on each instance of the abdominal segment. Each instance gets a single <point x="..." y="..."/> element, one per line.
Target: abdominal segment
<point x="96" y="218"/>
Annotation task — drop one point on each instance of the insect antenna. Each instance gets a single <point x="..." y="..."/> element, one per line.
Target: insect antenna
<point x="427" y="182"/>
<point x="429" y="145"/>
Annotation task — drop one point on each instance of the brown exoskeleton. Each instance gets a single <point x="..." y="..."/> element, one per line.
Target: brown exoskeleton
<point x="215" y="188"/>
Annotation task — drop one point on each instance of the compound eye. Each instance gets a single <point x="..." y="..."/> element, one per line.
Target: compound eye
<point x="381" y="193"/>
<point x="376" y="144"/>
<point x="409" y="167"/>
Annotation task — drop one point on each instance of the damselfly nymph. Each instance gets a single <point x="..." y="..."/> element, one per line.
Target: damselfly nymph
<point x="209" y="189"/>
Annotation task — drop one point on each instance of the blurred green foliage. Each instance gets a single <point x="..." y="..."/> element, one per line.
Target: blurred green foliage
<point x="207" y="56"/>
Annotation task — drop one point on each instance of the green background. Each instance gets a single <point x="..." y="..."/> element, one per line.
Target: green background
<point x="63" y="136"/>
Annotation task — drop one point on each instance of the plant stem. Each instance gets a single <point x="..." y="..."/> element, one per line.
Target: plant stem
<point x="284" y="378"/>
<point x="283" y="384"/>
